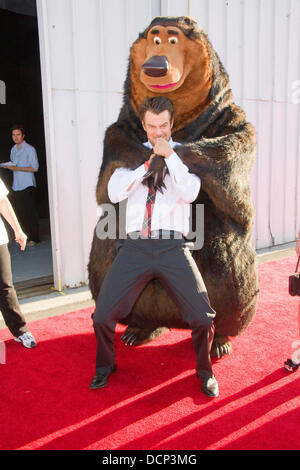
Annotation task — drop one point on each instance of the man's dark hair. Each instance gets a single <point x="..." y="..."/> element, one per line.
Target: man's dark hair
<point x="157" y="105"/>
<point x="18" y="127"/>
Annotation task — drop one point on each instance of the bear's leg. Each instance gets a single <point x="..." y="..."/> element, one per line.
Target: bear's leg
<point x="137" y="336"/>
<point x="221" y="346"/>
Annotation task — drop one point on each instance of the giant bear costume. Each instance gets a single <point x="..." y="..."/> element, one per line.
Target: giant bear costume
<point x="174" y="57"/>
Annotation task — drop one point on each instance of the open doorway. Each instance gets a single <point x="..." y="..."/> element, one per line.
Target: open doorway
<point x="20" y="77"/>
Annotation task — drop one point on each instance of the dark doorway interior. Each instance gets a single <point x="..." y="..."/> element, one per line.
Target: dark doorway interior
<point x="20" y="71"/>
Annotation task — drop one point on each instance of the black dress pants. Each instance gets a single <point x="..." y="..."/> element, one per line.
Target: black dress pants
<point x="9" y="304"/>
<point x="138" y="262"/>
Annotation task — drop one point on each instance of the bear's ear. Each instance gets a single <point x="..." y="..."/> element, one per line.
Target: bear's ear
<point x="138" y="51"/>
<point x="187" y="25"/>
<point x="137" y="90"/>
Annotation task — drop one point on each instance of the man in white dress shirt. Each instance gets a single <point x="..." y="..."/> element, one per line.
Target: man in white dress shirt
<point x="155" y="248"/>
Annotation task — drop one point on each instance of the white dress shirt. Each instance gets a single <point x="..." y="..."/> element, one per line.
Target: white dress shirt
<point x="171" y="209"/>
<point x="25" y="156"/>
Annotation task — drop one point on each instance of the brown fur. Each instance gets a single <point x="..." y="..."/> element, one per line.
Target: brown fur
<point x="191" y="95"/>
<point x="218" y="145"/>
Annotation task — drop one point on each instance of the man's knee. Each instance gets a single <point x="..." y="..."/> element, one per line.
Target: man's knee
<point x="101" y="318"/>
<point x="205" y="321"/>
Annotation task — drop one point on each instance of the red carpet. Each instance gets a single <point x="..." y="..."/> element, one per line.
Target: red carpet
<point x="154" y="400"/>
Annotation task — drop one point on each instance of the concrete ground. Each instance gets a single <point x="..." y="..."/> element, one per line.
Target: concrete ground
<point x="56" y="303"/>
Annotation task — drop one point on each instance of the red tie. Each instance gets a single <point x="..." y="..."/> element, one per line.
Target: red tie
<point x="146" y="229"/>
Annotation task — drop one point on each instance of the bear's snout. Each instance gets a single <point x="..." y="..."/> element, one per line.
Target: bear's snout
<point x="156" y="66"/>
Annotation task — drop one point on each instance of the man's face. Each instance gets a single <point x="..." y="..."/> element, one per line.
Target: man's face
<point x="157" y="126"/>
<point x="17" y="136"/>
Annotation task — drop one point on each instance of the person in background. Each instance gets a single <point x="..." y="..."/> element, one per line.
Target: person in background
<point x="25" y="164"/>
<point x="9" y="304"/>
<point x="291" y="365"/>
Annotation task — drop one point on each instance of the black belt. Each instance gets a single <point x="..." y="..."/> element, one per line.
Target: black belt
<point x="159" y="234"/>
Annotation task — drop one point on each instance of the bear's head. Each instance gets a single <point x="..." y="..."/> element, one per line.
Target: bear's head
<point x="174" y="56"/>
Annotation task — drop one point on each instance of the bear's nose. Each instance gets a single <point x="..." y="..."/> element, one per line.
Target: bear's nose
<point x="156" y="66"/>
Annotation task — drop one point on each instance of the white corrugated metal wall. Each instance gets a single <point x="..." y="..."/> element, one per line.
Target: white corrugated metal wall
<point x="84" y="53"/>
<point x="259" y="44"/>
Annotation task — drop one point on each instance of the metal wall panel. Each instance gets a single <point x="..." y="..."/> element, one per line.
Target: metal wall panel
<point x="259" y="43"/>
<point x="84" y="53"/>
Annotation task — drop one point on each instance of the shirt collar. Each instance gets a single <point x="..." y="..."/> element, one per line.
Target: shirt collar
<point x="23" y="144"/>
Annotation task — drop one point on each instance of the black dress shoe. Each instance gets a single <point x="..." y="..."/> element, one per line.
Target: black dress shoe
<point x="210" y="387"/>
<point x="100" y="379"/>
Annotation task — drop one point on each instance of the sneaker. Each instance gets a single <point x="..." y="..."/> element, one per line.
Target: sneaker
<point x="291" y="366"/>
<point x="27" y="339"/>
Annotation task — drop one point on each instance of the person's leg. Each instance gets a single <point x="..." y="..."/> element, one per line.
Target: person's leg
<point x="179" y="274"/>
<point x="31" y="214"/>
<point x="299" y="318"/>
<point x="24" y="205"/>
<point x="127" y="276"/>
<point x="292" y="364"/>
<point x="9" y="304"/>
<point x="16" y="198"/>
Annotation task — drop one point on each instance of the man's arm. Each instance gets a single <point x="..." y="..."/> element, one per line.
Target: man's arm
<point x="33" y="163"/>
<point x="186" y="183"/>
<point x="123" y="182"/>
<point x="8" y="213"/>
<point x="28" y="169"/>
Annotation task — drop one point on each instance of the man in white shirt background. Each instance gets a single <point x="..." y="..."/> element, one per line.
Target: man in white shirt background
<point x="155" y="248"/>
<point x="25" y="165"/>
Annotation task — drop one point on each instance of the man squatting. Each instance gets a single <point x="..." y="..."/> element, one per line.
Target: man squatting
<point x="155" y="248"/>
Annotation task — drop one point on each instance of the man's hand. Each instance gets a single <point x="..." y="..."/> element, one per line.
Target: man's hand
<point x="149" y="161"/>
<point x="298" y="247"/>
<point x="9" y="167"/>
<point x="27" y="169"/>
<point x="21" y="238"/>
<point x="163" y="148"/>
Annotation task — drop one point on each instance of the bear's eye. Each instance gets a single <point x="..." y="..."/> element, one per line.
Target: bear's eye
<point x="157" y="40"/>
<point x="173" y="40"/>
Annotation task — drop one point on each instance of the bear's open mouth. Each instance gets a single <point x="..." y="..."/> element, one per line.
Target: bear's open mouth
<point x="164" y="87"/>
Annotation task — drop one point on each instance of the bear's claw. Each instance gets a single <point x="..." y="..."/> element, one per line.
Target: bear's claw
<point x="138" y="336"/>
<point x="128" y="339"/>
<point x="221" y="348"/>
